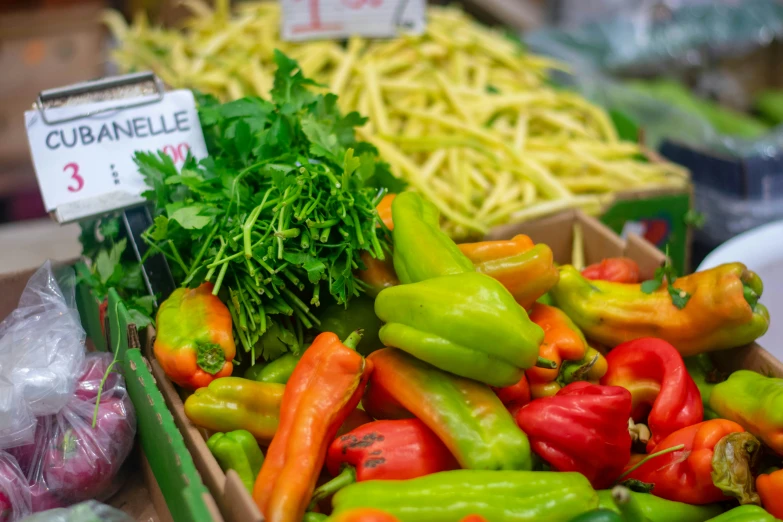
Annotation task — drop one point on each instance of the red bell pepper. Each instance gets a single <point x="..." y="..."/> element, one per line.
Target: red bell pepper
<point x="384" y="450"/>
<point x="713" y="462"/>
<point x="584" y="428"/>
<point x="364" y="515"/>
<point x="655" y="374"/>
<point x="615" y="269"/>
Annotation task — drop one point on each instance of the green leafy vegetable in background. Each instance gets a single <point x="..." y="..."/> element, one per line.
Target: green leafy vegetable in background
<point x="279" y="211"/>
<point x="110" y="268"/>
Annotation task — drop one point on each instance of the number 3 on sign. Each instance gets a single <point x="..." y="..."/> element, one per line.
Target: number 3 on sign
<point x="75" y="176"/>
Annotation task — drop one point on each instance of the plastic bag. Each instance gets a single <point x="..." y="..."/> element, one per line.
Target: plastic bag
<point x="69" y="461"/>
<point x="14" y="494"/>
<point x="90" y="511"/>
<point x="41" y="353"/>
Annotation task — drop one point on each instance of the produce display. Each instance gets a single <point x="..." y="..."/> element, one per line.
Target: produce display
<point x="462" y="113"/>
<point x="346" y="342"/>
<point x="494" y="386"/>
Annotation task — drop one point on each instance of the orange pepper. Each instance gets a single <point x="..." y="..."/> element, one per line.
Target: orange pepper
<point x="194" y="343"/>
<point x="379" y="274"/>
<point x="562" y="341"/>
<point x="525" y="269"/>
<point x="515" y="396"/>
<point x="474" y="518"/>
<point x="384" y="210"/>
<point x="770" y="488"/>
<point x="364" y="515"/>
<point x="325" y="387"/>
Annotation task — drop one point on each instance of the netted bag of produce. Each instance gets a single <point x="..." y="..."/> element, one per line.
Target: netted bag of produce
<point x="41" y="353"/>
<point x="77" y="453"/>
<point x="14" y="494"/>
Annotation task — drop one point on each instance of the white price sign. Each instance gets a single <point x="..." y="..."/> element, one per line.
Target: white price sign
<point x="86" y="165"/>
<point x="320" y="19"/>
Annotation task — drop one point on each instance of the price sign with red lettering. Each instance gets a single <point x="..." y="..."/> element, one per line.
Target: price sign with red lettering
<point x="319" y="19"/>
<point x="85" y="166"/>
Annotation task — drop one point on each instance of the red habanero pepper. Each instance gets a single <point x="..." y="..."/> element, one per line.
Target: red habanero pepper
<point x="713" y="461"/>
<point x="584" y="428"/>
<point x="385" y="450"/>
<point x="325" y="387"/>
<point x="615" y="269"/>
<point x="655" y="374"/>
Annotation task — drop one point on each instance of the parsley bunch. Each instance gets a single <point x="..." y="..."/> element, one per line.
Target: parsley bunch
<point x="283" y="206"/>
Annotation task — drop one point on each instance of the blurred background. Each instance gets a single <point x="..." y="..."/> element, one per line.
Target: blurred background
<point x="698" y="82"/>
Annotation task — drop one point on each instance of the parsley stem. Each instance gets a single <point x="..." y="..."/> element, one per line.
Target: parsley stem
<point x="325" y="235"/>
<point x="377" y="251"/>
<point x="202" y="251"/>
<point x="248" y="226"/>
<point x="324" y="224"/>
<point x="177" y="257"/>
<point x="316" y="300"/>
<point x="220" y="277"/>
<point x="358" y="226"/>
<point x="214" y="264"/>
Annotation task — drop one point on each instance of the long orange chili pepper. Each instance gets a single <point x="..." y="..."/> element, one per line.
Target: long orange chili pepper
<point x="325" y="387"/>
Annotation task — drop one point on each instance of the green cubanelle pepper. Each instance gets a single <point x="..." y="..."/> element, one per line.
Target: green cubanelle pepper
<point x="755" y="402"/>
<point x="746" y="513"/>
<point x="498" y="496"/>
<point x="359" y="313"/>
<point x="467" y="324"/>
<point x="706" y="376"/>
<point x="277" y="371"/>
<point x="421" y="249"/>
<point x="656" y="509"/>
<point x="238" y="450"/>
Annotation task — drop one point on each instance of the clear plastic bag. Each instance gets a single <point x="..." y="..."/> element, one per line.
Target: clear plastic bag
<point x="90" y="511"/>
<point x="14" y="494"/>
<point x="70" y="461"/>
<point x="41" y="353"/>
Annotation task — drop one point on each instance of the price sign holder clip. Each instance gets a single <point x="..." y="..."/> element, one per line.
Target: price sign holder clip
<point x="130" y="90"/>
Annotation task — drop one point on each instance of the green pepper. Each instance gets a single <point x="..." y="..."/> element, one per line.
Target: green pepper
<point x="277" y="371"/>
<point x="703" y="373"/>
<point x="599" y="515"/>
<point x="238" y="450"/>
<point x="755" y="402"/>
<point x="467" y="324"/>
<point x="358" y="314"/>
<point x="746" y="513"/>
<point x="498" y="496"/>
<point x="657" y="509"/>
<point x="421" y="249"/>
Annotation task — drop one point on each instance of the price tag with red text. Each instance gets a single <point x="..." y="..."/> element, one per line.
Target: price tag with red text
<point x="337" y="19"/>
<point x="86" y="166"/>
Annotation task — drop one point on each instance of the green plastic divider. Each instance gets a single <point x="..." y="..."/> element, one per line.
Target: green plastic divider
<point x="89" y="310"/>
<point x="160" y="439"/>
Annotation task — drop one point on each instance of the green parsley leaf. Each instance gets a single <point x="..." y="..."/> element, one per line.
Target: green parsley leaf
<point x="189" y="218"/>
<point x="679" y="297"/>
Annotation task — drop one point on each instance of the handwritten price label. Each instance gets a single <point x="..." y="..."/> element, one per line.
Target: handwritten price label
<point x="337" y="19"/>
<point x="86" y="165"/>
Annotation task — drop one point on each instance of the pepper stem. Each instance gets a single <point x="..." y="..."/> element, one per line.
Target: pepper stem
<point x="352" y="341"/>
<point x="543" y="362"/>
<point x="346" y="477"/>
<point x="625" y="502"/>
<point x="649" y="457"/>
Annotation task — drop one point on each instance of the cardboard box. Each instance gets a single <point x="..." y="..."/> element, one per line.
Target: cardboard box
<point x="41" y="49"/>
<point x="162" y="482"/>
<point x="600" y="242"/>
